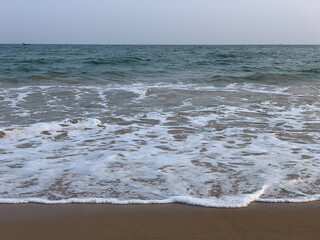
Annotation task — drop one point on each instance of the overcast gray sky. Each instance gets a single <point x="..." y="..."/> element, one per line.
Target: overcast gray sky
<point x="160" y="21"/>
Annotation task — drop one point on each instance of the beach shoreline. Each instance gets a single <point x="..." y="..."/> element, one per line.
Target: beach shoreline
<point x="159" y="221"/>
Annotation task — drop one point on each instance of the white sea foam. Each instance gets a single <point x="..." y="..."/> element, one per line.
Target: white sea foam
<point x="225" y="202"/>
<point x="202" y="145"/>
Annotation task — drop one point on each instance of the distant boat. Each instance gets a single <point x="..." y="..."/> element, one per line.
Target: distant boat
<point x="25" y="44"/>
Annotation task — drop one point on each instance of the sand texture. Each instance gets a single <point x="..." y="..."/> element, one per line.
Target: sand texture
<point x="169" y="221"/>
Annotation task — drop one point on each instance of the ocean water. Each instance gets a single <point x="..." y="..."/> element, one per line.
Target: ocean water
<point x="216" y="126"/>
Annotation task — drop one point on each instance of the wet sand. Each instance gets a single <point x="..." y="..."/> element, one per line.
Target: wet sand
<point x="169" y="221"/>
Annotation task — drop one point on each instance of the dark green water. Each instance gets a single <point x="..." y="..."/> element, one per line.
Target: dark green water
<point x="186" y="64"/>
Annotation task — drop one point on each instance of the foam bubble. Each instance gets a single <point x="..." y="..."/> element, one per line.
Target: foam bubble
<point x="140" y="143"/>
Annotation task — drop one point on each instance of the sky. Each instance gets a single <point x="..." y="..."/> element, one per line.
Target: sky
<point x="160" y="21"/>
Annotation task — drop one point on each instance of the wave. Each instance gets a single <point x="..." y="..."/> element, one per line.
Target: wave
<point x="273" y="77"/>
<point x="267" y="78"/>
<point x="225" y="202"/>
<point x="123" y="143"/>
<point x="221" y="56"/>
<point x="113" y="61"/>
<point x="39" y="61"/>
<point x="233" y="202"/>
<point x="115" y="73"/>
<point x="312" y="70"/>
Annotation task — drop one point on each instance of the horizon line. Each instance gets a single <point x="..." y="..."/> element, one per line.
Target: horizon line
<point x="170" y="44"/>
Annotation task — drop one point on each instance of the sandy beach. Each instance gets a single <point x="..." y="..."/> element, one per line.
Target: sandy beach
<point x="169" y="221"/>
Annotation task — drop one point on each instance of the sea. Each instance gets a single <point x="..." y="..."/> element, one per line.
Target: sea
<point x="214" y="126"/>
